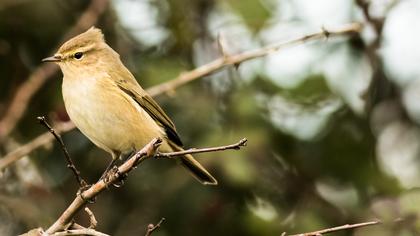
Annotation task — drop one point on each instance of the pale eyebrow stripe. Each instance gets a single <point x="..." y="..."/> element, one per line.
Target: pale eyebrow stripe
<point x="84" y="49"/>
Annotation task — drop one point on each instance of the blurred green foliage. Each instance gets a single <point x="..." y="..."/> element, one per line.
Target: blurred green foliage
<point x="285" y="180"/>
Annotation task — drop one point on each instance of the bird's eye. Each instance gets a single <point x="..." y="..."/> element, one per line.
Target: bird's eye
<point x="78" y="55"/>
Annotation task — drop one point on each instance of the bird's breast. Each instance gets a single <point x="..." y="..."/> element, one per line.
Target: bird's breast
<point x="107" y="116"/>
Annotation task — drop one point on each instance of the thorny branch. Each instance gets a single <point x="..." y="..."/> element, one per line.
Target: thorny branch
<point x="335" y="229"/>
<point x="199" y="72"/>
<point x="115" y="176"/>
<point x="41" y="74"/>
<point x="70" y="163"/>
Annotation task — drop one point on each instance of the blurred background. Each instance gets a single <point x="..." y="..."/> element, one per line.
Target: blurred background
<point x="333" y="124"/>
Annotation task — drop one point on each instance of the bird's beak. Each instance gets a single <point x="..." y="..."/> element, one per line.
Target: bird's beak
<point x="55" y="58"/>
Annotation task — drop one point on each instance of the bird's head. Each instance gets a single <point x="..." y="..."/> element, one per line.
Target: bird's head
<point x="83" y="52"/>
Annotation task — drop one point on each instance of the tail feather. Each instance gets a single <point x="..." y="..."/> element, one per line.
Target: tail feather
<point x="195" y="168"/>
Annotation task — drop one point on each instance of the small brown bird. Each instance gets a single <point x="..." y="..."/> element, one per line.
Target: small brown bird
<point x="106" y="103"/>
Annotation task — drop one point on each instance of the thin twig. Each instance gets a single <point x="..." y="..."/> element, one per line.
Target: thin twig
<point x="209" y="68"/>
<point x="227" y="60"/>
<point x="338" y="228"/>
<point x="82" y="199"/>
<point x="85" y="231"/>
<point x="92" y="219"/>
<point x="235" y="146"/>
<point x="41" y="74"/>
<point x="70" y="163"/>
<point x="152" y="227"/>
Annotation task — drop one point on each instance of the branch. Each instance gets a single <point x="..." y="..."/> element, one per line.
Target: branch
<point x="82" y="199"/>
<point x="70" y="163"/>
<point x="151" y="227"/>
<point x="207" y="69"/>
<point x="92" y="219"/>
<point x="41" y="74"/>
<point x="235" y="146"/>
<point x="115" y="176"/>
<point x="75" y="232"/>
<point x="338" y="228"/>
<point x="227" y="60"/>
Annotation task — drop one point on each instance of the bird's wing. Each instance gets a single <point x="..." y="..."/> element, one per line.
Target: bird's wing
<point x="130" y="86"/>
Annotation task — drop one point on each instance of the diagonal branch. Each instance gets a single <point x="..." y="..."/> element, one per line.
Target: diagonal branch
<point x="227" y="60"/>
<point x="338" y="228"/>
<point x="199" y="72"/>
<point x="83" y="198"/>
<point x="115" y="176"/>
<point x="70" y="164"/>
<point x="78" y="232"/>
<point x="152" y="227"/>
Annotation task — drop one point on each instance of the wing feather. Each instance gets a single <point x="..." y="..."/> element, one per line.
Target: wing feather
<point x="129" y="85"/>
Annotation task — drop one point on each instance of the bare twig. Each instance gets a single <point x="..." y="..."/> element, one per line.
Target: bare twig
<point x="92" y="219"/>
<point x="70" y="163"/>
<point x="338" y="228"/>
<point x="75" y="231"/>
<point x="148" y="151"/>
<point x="201" y="71"/>
<point x="84" y="231"/>
<point x="41" y="74"/>
<point x="235" y="146"/>
<point x="82" y="199"/>
<point x="236" y="59"/>
<point x="33" y="232"/>
<point x="152" y="227"/>
<point x="36" y="143"/>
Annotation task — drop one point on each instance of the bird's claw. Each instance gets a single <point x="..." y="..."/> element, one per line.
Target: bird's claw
<point x="114" y="172"/>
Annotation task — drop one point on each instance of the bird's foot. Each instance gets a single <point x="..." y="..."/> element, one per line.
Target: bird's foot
<point x="113" y="173"/>
<point x="105" y="176"/>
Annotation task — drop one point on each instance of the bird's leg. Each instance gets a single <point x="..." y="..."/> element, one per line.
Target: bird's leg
<point x="108" y="168"/>
<point x="124" y="157"/>
<point x="104" y="175"/>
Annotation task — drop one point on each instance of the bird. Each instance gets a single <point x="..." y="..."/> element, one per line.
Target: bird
<point x="108" y="105"/>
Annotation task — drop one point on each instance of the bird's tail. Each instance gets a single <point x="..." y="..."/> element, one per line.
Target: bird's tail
<point x="195" y="168"/>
